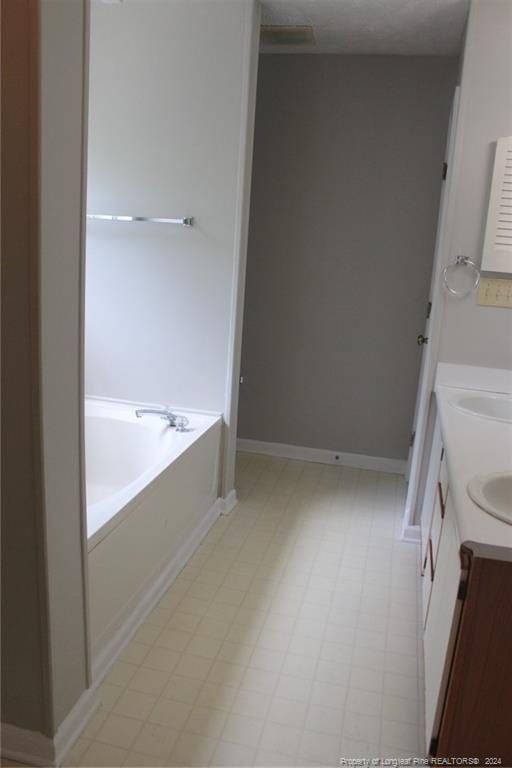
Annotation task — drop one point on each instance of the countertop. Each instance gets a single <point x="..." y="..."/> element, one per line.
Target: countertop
<point x="474" y="446"/>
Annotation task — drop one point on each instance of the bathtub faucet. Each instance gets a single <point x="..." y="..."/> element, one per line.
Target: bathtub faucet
<point x="164" y="413"/>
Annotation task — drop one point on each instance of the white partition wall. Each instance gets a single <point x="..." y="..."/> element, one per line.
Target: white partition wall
<point x="170" y="133"/>
<point x="474" y="334"/>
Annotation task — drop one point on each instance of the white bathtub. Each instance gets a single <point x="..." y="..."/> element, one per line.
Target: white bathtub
<point x="151" y="496"/>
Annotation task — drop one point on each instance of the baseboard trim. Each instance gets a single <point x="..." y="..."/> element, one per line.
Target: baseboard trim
<point x="411" y="533"/>
<point x="321" y="456"/>
<point x="72" y="726"/>
<point x="151" y="595"/>
<point x="229" y="502"/>
<point x="33" y="748"/>
<point x="27" y="747"/>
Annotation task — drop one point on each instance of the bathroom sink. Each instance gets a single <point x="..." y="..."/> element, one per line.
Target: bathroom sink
<point x="493" y="494"/>
<point x="488" y="406"/>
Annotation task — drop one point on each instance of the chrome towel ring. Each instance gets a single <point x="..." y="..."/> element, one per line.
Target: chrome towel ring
<point x="470" y="279"/>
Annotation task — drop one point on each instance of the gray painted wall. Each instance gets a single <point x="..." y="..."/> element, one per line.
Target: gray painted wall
<point x="472" y="334"/>
<point x="346" y="185"/>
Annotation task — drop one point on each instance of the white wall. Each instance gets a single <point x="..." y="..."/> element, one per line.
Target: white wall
<point x="169" y="106"/>
<point x="472" y="334"/>
<point x="63" y="51"/>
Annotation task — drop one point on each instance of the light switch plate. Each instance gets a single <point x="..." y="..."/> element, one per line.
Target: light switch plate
<point x="495" y="292"/>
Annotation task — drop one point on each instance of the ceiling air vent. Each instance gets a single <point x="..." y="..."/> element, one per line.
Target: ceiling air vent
<point x="286" y="35"/>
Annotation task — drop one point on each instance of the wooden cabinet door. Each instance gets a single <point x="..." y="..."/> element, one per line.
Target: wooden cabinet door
<point x="477" y="713"/>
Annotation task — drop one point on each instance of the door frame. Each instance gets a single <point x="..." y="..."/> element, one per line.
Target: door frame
<point x="250" y="84"/>
<point x="418" y="451"/>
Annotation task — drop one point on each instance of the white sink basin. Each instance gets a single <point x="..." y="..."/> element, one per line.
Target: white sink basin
<point x="493" y="494"/>
<point x="488" y="406"/>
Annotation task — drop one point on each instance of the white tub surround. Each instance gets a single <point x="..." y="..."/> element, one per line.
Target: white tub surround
<point x="154" y="495"/>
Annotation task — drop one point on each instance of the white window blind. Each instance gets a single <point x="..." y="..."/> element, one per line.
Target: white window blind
<point x="497" y="255"/>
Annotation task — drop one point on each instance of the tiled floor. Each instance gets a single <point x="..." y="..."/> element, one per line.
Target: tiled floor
<point x="290" y="638"/>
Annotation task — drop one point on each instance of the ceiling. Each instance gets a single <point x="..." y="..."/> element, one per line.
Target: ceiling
<point x="404" y="27"/>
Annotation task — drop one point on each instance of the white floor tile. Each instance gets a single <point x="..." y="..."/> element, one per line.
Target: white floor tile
<point x="230" y="754"/>
<point x="103" y="755"/>
<point x="155" y="740"/>
<point x="195" y="667"/>
<point x="400" y="709"/>
<point x="287" y="711"/>
<point x="162" y="659"/>
<point x="319" y="747"/>
<point x="241" y="729"/>
<point x="170" y="713"/>
<point x="362" y="750"/>
<point x="280" y="738"/>
<point x="364" y="702"/>
<point x="401" y="735"/>
<point x="137" y="760"/>
<point x="93" y="726"/>
<point x="324" y="719"/>
<point x="73" y="757"/>
<point x="183" y="689"/>
<point x="206" y="721"/>
<point x="300" y="666"/>
<point x="135" y="704"/>
<point x="216" y="695"/>
<point x="298" y="688"/>
<point x="325" y="694"/>
<point x="259" y="680"/>
<point x="362" y="727"/>
<point x="109" y="694"/>
<point x="290" y="637"/>
<point x="173" y="639"/>
<point x="251" y="703"/>
<point x="119" y="731"/>
<point x="202" y="645"/>
<point x="191" y="749"/>
<point x="266" y="757"/>
<point x="121" y="673"/>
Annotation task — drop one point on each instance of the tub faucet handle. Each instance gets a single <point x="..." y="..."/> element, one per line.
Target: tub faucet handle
<point x="164" y="413"/>
<point x="181" y="423"/>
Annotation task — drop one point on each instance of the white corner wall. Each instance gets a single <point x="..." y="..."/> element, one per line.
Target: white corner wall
<point x="169" y="135"/>
<point x="63" y="63"/>
<point x="472" y="334"/>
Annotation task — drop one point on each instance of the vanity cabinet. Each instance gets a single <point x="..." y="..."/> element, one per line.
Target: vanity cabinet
<point x="467" y="610"/>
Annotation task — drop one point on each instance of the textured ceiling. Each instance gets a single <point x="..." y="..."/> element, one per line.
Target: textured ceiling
<point x="416" y="27"/>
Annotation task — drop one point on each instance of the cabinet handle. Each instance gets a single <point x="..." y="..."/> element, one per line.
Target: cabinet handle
<point x="431" y="559"/>
<point x="441" y="500"/>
